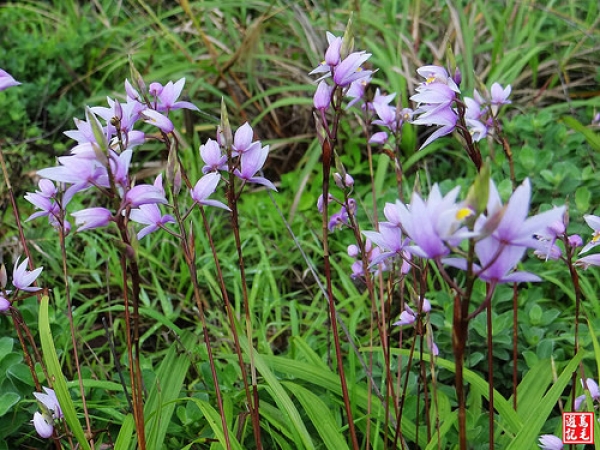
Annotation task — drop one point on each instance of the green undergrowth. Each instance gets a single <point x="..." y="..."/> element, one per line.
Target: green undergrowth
<point x="256" y="55"/>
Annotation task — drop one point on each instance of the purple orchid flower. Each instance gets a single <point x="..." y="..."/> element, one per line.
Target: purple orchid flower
<point x="151" y="216"/>
<point x="497" y="262"/>
<point x="433" y="225"/>
<point x="350" y="70"/>
<point x="204" y="188"/>
<point x="23" y="278"/>
<point x="356" y="90"/>
<point x="167" y="99"/>
<point x="343" y="71"/>
<point x="341" y="218"/>
<point x="90" y="218"/>
<point x="587" y="261"/>
<point x="431" y="115"/>
<point x="322" y="97"/>
<point x="144" y="194"/>
<point x="4" y="304"/>
<point x="380" y="138"/>
<point x="330" y="198"/>
<point x="242" y="140"/>
<point x="409" y="316"/>
<point x="594" y="223"/>
<point x="499" y="97"/>
<point x="332" y="56"/>
<point x="6" y="80"/>
<point x="212" y="156"/>
<point x="44" y="424"/>
<point x="155" y="118"/>
<point x="82" y="173"/>
<point x="44" y="200"/>
<point x="372" y="253"/>
<point x="594" y="390"/>
<point x="550" y="442"/>
<point x="437" y="74"/>
<point x="477" y="129"/>
<point x="387" y="117"/>
<point x="514" y="227"/>
<point x="380" y="99"/>
<point x="506" y="233"/>
<point x="51" y="411"/>
<point x="251" y="162"/>
<point x="50" y="401"/>
<point x="389" y="238"/>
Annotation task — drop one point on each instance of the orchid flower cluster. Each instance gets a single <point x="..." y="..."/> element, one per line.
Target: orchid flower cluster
<point x="102" y="159"/>
<point x="410" y="317"/>
<point x="344" y="69"/>
<point x="243" y="156"/>
<point x="103" y="154"/>
<point x="44" y="421"/>
<point x="436" y="227"/>
<point x="438" y="103"/>
<point x="347" y="206"/>
<point x="349" y="77"/>
<point x="389" y="117"/>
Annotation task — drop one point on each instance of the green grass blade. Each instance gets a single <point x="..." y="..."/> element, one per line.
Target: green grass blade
<point x="532" y="388"/>
<point x="125" y="433"/>
<point x="281" y="398"/>
<point x="214" y="420"/>
<point x="320" y="415"/>
<point x="533" y="426"/>
<point x="504" y="408"/>
<point x="325" y="379"/>
<point x="161" y="399"/>
<point x="590" y="136"/>
<point x="59" y="383"/>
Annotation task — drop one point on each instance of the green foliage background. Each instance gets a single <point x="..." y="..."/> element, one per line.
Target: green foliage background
<point x="256" y="55"/>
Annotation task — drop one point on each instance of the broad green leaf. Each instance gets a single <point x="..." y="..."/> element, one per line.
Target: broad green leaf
<point x="7" y="401"/>
<point x="280" y="396"/>
<point x="325" y="379"/>
<point x="125" y="437"/>
<point x="532" y="388"/>
<point x="160" y="403"/>
<point x="583" y="197"/>
<point x="59" y="383"/>
<point x="532" y="427"/>
<point x="503" y="407"/>
<point x="320" y="415"/>
<point x="446" y="423"/>
<point x="6" y="346"/>
<point x="276" y="418"/>
<point x="214" y="420"/>
<point x="590" y="136"/>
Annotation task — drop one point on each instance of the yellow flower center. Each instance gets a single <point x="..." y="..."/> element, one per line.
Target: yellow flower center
<point x="463" y="213"/>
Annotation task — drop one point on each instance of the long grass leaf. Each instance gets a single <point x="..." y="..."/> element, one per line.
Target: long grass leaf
<point x="59" y="383"/>
<point x="321" y="417"/>
<point x="125" y="437"/>
<point x="281" y="398"/>
<point x="542" y="410"/>
<point x="165" y="390"/>
<point x="214" y="420"/>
